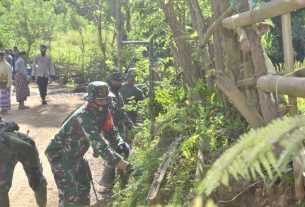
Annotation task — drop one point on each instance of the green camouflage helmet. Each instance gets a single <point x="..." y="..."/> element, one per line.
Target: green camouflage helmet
<point x="98" y="90"/>
<point x="132" y="73"/>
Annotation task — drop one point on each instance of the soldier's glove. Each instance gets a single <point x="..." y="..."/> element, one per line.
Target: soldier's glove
<point x="35" y="178"/>
<point x="124" y="148"/>
<point x="133" y="171"/>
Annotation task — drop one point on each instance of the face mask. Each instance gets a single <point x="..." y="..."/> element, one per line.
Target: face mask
<point x="115" y="88"/>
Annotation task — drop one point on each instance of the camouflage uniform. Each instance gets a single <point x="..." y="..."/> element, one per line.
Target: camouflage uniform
<point x="131" y="93"/>
<point x="65" y="152"/>
<point x="120" y="117"/>
<point x="14" y="147"/>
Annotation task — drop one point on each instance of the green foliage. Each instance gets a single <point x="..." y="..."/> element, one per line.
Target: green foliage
<point x="254" y="152"/>
<point x="27" y="21"/>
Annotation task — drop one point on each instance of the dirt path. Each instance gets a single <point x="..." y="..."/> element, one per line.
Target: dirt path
<point x="43" y="122"/>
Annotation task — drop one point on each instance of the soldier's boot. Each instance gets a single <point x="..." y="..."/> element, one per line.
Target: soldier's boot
<point x="4" y="201"/>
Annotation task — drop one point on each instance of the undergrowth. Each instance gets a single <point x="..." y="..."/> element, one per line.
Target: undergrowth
<point x="209" y="128"/>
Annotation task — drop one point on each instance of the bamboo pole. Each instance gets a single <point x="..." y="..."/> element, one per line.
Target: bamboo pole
<point x="268" y="10"/>
<point x="292" y="86"/>
<point x="289" y="57"/>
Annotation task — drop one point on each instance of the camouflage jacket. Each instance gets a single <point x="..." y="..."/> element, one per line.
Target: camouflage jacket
<point x="16" y="145"/>
<point x="130" y="91"/>
<point x="120" y="116"/>
<point x="81" y="129"/>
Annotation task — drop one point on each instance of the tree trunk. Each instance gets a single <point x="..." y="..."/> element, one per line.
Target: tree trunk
<point x="183" y="50"/>
<point x="119" y="33"/>
<point x="251" y="91"/>
<point x="199" y="23"/>
<point x="127" y="21"/>
<point x="268" y="112"/>
<point x="100" y="36"/>
<point x="247" y="110"/>
<point x="82" y="47"/>
<point x="29" y="47"/>
<point x="218" y="50"/>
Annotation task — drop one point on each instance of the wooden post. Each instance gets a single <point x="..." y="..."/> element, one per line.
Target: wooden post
<point x="289" y="57"/>
<point x="271" y="9"/>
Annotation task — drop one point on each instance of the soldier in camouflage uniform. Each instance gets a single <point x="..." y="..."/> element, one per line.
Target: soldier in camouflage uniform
<point x="131" y="93"/>
<point x="81" y="129"/>
<point x="120" y="120"/>
<point x="120" y="117"/>
<point x="14" y="147"/>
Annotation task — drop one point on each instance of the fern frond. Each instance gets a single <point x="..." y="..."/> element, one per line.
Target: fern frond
<point x="254" y="152"/>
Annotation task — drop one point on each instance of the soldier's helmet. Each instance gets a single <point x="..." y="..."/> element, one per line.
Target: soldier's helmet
<point x="98" y="90"/>
<point x="116" y="76"/>
<point x="131" y="74"/>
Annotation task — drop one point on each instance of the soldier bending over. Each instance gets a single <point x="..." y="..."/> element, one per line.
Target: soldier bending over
<point x="14" y="147"/>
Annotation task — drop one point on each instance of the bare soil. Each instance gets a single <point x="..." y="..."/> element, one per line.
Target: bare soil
<point x="43" y="121"/>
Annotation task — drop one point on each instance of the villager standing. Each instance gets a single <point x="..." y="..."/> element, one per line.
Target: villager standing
<point x="131" y="93"/>
<point x="21" y="80"/>
<point x="18" y="147"/>
<point x="79" y="130"/>
<point x="5" y="84"/>
<point x="42" y="70"/>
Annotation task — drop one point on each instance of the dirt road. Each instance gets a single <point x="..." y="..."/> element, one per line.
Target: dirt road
<point x="43" y="121"/>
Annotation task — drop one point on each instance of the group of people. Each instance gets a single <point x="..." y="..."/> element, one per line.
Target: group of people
<point x="13" y="70"/>
<point x="100" y="122"/>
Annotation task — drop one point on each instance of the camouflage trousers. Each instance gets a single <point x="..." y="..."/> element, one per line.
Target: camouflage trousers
<point x="18" y="147"/>
<point x="72" y="181"/>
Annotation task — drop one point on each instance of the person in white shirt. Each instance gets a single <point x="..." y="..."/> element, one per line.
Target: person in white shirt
<point x="42" y="70"/>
